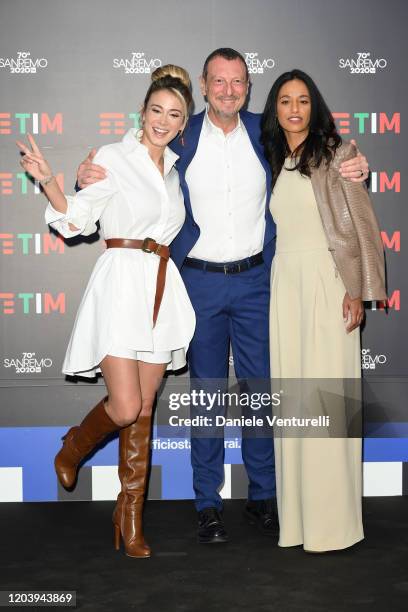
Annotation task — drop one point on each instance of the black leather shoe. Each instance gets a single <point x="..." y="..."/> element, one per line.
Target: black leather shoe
<point x="263" y="514"/>
<point x="211" y="528"/>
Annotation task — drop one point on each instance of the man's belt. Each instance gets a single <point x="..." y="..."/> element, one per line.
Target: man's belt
<point x="148" y="245"/>
<point x="231" y="267"/>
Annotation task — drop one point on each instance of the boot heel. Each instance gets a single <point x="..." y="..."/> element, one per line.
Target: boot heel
<point x="116" y="536"/>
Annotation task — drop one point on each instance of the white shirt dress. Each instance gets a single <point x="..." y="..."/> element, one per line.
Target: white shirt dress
<point x="116" y="312"/>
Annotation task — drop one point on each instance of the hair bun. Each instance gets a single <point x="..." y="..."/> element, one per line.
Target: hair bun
<point x="176" y="72"/>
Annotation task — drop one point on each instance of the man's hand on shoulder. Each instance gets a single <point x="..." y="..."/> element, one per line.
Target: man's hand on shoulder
<point x="88" y="172"/>
<point x="355" y="169"/>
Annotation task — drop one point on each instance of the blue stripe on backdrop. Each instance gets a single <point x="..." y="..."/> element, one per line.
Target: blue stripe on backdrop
<point x="386" y="449"/>
<point x="33" y="449"/>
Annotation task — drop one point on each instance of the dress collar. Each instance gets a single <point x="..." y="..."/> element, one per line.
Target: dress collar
<point x="132" y="144"/>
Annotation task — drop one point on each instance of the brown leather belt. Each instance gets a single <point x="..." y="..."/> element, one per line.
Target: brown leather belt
<point x="148" y="245"/>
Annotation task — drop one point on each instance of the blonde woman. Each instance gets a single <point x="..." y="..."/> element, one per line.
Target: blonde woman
<point x="135" y="319"/>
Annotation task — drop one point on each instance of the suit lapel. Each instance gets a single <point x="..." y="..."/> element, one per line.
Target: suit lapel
<point x="254" y="136"/>
<point x="187" y="150"/>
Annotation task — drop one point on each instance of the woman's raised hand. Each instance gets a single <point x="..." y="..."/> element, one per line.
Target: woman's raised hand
<point x="33" y="160"/>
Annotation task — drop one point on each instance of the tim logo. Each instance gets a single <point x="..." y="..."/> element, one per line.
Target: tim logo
<point x="382" y="182"/>
<point x="31" y="303"/>
<point x="28" y="363"/>
<point x="20" y="183"/>
<point x="137" y="63"/>
<point x="256" y="65"/>
<point x="363" y="63"/>
<point x="34" y="123"/>
<point x="368" y="123"/>
<point x="371" y="362"/>
<point x="31" y="244"/>
<point x="23" y="63"/>
<point x="391" y="242"/>
<point x="115" y="123"/>
<point x="392" y="303"/>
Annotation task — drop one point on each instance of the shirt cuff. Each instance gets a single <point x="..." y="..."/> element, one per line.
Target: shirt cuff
<point x="60" y="221"/>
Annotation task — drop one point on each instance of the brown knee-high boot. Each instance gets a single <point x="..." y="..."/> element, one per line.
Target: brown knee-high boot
<point x="80" y="440"/>
<point x="134" y="454"/>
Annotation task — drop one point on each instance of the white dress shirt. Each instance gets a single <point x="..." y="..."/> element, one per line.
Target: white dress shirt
<point x="227" y="189"/>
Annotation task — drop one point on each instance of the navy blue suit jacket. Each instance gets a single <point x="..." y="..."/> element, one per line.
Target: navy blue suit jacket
<point x="190" y="232"/>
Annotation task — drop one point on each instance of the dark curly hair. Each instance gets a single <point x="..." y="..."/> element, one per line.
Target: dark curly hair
<point x="320" y="143"/>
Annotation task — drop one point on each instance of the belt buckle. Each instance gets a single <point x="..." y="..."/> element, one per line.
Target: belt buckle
<point x="232" y="269"/>
<point x="145" y="248"/>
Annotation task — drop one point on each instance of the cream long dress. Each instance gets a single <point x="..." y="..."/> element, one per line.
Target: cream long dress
<point x="319" y="480"/>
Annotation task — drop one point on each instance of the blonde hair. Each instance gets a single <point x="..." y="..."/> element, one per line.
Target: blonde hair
<point x="174" y="79"/>
<point x="177" y="72"/>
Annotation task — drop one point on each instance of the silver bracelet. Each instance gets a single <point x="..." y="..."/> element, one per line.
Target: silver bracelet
<point x="46" y="180"/>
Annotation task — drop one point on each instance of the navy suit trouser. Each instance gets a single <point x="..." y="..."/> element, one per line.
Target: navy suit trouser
<point x="230" y="308"/>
